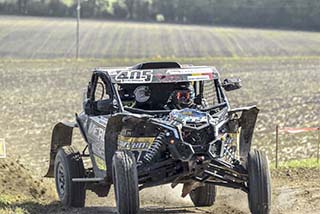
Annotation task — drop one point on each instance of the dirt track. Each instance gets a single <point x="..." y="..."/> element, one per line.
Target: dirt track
<point x="294" y="191"/>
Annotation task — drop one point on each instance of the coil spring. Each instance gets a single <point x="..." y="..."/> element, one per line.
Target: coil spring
<point x="154" y="149"/>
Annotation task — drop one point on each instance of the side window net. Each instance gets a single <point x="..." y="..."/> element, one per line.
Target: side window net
<point x="209" y="93"/>
<point x="101" y="93"/>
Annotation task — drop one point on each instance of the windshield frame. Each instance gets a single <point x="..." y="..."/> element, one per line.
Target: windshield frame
<point x="222" y="101"/>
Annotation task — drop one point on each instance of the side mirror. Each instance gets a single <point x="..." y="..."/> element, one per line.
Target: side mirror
<point x="87" y="107"/>
<point x="231" y="84"/>
<point x="105" y="106"/>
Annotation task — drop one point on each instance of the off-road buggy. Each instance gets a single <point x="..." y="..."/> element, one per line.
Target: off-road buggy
<point x="160" y="123"/>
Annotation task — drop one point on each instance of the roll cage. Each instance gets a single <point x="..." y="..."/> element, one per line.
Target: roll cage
<point x="111" y="86"/>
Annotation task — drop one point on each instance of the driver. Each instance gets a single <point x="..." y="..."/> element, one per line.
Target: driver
<point x="182" y="97"/>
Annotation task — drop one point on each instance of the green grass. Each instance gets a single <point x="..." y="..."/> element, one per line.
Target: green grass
<point x="68" y="2"/>
<point x="6" y="200"/>
<point x="7" y="205"/>
<point x="13" y="204"/>
<point x="303" y="163"/>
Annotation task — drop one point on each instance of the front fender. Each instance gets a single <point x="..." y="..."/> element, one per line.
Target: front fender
<point x="61" y="136"/>
<point x="247" y="123"/>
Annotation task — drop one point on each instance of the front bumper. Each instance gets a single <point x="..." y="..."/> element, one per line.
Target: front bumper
<point x="185" y="152"/>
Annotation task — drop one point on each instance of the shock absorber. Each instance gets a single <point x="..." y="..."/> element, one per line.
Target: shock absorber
<point x="154" y="149"/>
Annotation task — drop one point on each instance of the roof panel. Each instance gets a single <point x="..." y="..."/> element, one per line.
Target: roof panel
<point x="172" y="75"/>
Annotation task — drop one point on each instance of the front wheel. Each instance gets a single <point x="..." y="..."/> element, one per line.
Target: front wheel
<point x="204" y="195"/>
<point x="125" y="180"/>
<point x="259" y="183"/>
<point x="68" y="164"/>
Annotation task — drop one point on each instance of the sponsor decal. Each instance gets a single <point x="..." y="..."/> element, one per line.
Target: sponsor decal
<point x="168" y="78"/>
<point x="96" y="132"/>
<point x="112" y="72"/>
<point x="101" y="120"/>
<point x="198" y="77"/>
<point x="101" y="164"/>
<point x="135" y="76"/>
<point x="190" y="71"/>
<point x="135" y="143"/>
<point x="2" y="148"/>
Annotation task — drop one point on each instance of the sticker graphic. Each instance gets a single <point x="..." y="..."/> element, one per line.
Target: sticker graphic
<point x="96" y="132"/>
<point x="198" y="77"/>
<point x="135" y="143"/>
<point x="190" y="71"/>
<point x="101" y="163"/>
<point x="135" y="76"/>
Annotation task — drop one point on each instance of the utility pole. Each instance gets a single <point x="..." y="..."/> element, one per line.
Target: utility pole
<point x="78" y="29"/>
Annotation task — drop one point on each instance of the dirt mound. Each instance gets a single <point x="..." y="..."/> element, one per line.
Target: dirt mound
<point x="15" y="179"/>
<point x="19" y="191"/>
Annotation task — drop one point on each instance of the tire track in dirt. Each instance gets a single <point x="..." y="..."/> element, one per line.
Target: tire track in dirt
<point x="294" y="191"/>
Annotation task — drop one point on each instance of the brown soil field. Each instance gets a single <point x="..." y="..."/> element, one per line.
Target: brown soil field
<point x="37" y="94"/>
<point x="280" y="72"/>
<point x="37" y="37"/>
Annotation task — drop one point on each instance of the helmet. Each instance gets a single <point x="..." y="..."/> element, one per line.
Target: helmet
<point x="183" y="97"/>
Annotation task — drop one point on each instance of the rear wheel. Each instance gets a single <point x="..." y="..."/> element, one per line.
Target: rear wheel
<point x="125" y="180"/>
<point x="68" y="164"/>
<point x="259" y="195"/>
<point x="204" y="195"/>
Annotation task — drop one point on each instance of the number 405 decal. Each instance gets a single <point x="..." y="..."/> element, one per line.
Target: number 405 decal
<point x="135" y="76"/>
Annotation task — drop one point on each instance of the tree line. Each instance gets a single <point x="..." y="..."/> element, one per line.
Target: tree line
<point x="256" y="13"/>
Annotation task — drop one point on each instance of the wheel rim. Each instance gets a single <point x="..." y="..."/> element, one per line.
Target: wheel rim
<point x="61" y="181"/>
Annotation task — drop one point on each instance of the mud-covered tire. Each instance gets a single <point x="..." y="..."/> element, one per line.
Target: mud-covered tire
<point x="259" y="183"/>
<point x="125" y="180"/>
<point x="204" y="196"/>
<point x="68" y="164"/>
